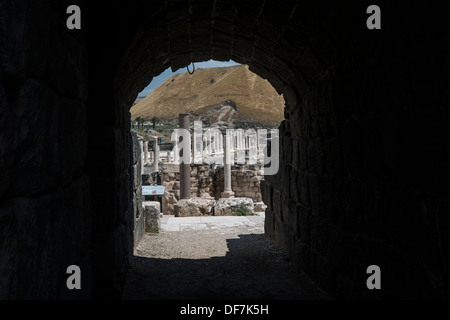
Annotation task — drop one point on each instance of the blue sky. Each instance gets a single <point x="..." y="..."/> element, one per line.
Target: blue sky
<point x="168" y="73"/>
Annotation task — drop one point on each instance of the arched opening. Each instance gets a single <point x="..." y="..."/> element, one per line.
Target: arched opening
<point x="175" y="38"/>
<point x="323" y="60"/>
<point x="144" y="58"/>
<point x="363" y="146"/>
<point x="316" y="55"/>
<point x="220" y="101"/>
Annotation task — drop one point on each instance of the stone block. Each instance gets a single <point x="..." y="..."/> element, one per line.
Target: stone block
<point x="170" y="168"/>
<point x="251" y="173"/>
<point x="304" y="224"/>
<point x="287" y="148"/>
<point x="303" y="184"/>
<point x="152" y="212"/>
<point x="302" y="149"/>
<point x="233" y="207"/>
<point x="193" y="207"/>
<point x="206" y="195"/>
<point x="247" y="194"/>
<point x="260" y="207"/>
<point x="295" y="186"/>
<point x="171" y="176"/>
<point x="313" y="184"/>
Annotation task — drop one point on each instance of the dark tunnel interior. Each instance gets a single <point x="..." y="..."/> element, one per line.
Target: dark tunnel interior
<point x="364" y="150"/>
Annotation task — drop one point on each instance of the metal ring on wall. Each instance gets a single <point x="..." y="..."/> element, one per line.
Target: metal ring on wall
<point x="193" y="65"/>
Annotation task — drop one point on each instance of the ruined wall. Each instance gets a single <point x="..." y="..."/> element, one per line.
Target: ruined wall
<point x="245" y="181"/>
<point x="45" y="192"/>
<point x="206" y="179"/>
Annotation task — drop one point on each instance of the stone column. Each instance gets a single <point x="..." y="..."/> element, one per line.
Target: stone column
<point x="145" y="151"/>
<point x="227" y="192"/>
<point x="194" y="145"/>
<point x="175" y="150"/>
<point x="216" y="143"/>
<point x="252" y="147"/>
<point x="185" y="168"/>
<point x="240" y="153"/>
<point x="197" y="144"/>
<point x="209" y="143"/>
<point x="262" y="143"/>
<point x="204" y="148"/>
<point x="156" y="155"/>
<point x="205" y="139"/>
<point x="239" y="142"/>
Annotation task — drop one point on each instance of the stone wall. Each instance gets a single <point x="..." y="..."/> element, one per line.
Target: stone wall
<point x="208" y="180"/>
<point x="353" y="189"/>
<point x="138" y="198"/>
<point x="45" y="190"/>
<point x="364" y="168"/>
<point x="363" y="154"/>
<point x="245" y="181"/>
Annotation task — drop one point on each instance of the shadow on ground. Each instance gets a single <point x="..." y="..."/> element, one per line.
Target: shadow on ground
<point x="253" y="268"/>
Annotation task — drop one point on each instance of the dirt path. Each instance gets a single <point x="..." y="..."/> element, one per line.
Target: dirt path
<point x="226" y="263"/>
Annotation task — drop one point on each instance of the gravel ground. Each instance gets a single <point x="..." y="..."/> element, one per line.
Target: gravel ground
<point x="228" y="263"/>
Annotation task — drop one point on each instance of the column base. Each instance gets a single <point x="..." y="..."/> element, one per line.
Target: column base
<point x="227" y="194"/>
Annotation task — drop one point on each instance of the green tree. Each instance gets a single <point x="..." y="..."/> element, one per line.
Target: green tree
<point x="154" y="120"/>
<point x="138" y="121"/>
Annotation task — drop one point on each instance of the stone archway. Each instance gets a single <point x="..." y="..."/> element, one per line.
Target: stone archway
<point x="363" y="146"/>
<point x="179" y="35"/>
<point x="334" y="174"/>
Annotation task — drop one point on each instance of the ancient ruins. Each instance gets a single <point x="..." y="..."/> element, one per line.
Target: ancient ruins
<point x="222" y="179"/>
<point x="364" y="161"/>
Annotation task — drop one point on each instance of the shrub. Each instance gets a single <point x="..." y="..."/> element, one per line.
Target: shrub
<point x="242" y="211"/>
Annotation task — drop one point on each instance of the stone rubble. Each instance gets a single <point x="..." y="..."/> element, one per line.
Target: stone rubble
<point x="233" y="206"/>
<point x="193" y="207"/>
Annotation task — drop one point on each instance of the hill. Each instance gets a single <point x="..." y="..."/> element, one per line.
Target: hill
<point x="253" y="96"/>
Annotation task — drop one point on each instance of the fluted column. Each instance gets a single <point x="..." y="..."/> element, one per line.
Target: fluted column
<point x="227" y="192"/>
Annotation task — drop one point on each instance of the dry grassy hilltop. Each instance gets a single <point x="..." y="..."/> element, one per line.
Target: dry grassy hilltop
<point x="253" y="96"/>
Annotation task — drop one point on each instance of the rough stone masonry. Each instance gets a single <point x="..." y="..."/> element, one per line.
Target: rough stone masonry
<point x="364" y="172"/>
<point x="207" y="181"/>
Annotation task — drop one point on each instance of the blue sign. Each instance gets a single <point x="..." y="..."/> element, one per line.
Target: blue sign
<point x="153" y="190"/>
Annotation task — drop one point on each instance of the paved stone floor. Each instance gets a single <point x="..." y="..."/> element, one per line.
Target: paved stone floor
<point x="253" y="223"/>
<point x="215" y="258"/>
